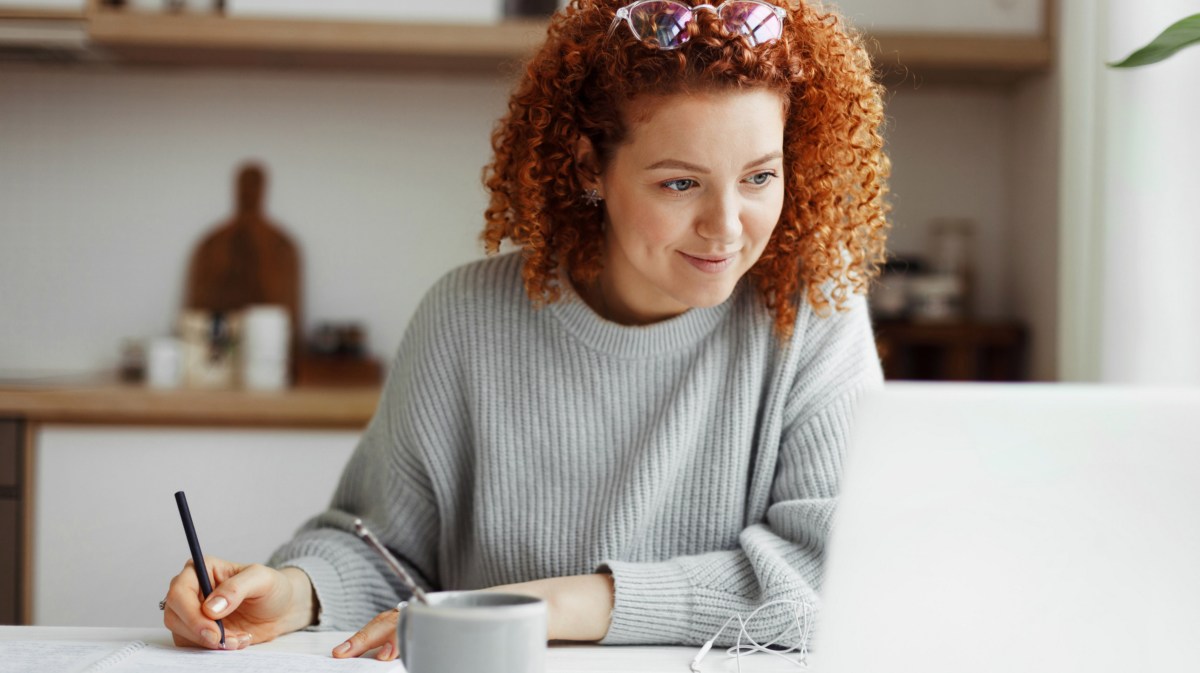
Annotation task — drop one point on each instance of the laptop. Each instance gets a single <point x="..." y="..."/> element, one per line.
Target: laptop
<point x="1016" y="528"/>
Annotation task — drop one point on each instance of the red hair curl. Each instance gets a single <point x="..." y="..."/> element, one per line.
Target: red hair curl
<point x="831" y="233"/>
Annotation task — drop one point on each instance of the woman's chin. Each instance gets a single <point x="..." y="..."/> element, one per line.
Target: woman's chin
<point x="709" y="298"/>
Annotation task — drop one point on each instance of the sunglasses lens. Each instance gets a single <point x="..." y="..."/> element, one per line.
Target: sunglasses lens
<point x="665" y="22"/>
<point x="757" y="22"/>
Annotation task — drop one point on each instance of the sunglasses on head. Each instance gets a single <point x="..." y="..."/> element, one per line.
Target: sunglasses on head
<point x="666" y="21"/>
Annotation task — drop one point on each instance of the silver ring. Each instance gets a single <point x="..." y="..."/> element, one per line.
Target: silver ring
<point x="162" y="605"/>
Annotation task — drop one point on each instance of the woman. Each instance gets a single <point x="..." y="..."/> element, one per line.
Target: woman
<point x="641" y="415"/>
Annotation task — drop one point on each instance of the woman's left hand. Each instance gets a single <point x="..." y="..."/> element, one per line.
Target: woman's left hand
<point x="379" y="632"/>
<point x="578" y="607"/>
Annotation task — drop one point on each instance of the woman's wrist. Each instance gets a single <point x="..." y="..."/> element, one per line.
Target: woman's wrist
<point x="580" y="607"/>
<point x="303" y="607"/>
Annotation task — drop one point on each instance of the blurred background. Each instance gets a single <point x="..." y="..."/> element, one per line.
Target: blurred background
<point x="217" y="217"/>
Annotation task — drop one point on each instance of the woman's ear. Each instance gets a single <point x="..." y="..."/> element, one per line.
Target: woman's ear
<point x="587" y="165"/>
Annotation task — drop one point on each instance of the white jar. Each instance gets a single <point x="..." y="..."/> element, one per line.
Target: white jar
<point x="266" y="341"/>
<point x="936" y="298"/>
<point x="164" y="363"/>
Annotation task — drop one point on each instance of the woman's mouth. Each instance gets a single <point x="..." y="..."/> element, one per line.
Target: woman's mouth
<point x="709" y="264"/>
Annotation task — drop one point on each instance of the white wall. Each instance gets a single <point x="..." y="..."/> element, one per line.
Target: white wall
<point x="108" y="178"/>
<point x="950" y="148"/>
<point x="1152" y="142"/>
<point x="1130" y="222"/>
<point x="1031" y="266"/>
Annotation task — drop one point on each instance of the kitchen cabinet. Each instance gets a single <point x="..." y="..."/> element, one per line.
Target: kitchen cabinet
<point x="89" y="530"/>
<point x="956" y="351"/>
<point x="106" y="532"/>
<point x="11" y="530"/>
<point x="940" y="40"/>
<point x="964" y="17"/>
<point x="42" y="7"/>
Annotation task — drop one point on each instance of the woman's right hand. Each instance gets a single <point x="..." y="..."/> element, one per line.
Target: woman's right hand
<point x="256" y="604"/>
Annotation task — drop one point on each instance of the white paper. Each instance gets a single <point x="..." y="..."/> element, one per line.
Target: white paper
<point x="138" y="657"/>
<point x="159" y="659"/>
<point x="19" y="656"/>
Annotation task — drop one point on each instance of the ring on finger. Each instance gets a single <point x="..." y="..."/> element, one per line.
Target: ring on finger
<point x="162" y="605"/>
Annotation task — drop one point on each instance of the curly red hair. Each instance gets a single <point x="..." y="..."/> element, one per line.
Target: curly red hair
<point x="831" y="233"/>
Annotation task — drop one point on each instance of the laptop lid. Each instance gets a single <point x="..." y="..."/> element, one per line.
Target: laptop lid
<point x="1016" y="528"/>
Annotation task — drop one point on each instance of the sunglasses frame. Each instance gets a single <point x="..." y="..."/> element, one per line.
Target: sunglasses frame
<point x="626" y="14"/>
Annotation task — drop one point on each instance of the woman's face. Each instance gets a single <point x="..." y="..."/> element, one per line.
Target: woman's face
<point x="691" y="199"/>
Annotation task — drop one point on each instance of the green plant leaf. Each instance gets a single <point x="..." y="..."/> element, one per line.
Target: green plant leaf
<point x="1174" y="38"/>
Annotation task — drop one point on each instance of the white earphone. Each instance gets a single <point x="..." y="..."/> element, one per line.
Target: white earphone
<point x="803" y="629"/>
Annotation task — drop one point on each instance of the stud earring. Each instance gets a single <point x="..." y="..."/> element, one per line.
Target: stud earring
<point x="592" y="197"/>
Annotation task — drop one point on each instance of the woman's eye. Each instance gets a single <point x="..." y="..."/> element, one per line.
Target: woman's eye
<point x="681" y="185"/>
<point x="760" y="179"/>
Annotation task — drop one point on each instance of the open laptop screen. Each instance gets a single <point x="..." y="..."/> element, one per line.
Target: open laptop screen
<point x="1017" y="528"/>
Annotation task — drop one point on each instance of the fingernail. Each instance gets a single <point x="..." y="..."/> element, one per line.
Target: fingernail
<point x="217" y="605"/>
<point x="210" y="636"/>
<point x="385" y="652"/>
<point x="343" y="648"/>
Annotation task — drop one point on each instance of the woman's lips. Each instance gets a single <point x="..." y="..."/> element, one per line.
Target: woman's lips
<point x="709" y="264"/>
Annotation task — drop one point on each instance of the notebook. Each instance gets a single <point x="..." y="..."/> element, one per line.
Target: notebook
<point x="1029" y="528"/>
<point x="138" y="657"/>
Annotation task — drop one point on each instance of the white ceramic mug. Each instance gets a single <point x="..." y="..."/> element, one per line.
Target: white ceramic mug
<point x="164" y="363"/>
<point x="473" y="631"/>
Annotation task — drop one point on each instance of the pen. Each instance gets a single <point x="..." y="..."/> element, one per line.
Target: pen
<point x="197" y="556"/>
<point x="361" y="530"/>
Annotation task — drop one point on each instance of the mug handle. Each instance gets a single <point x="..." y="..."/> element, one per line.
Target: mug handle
<point x="401" y="648"/>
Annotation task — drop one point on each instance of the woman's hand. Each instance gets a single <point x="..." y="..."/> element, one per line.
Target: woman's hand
<point x="379" y="632"/>
<point x="256" y="604"/>
<point x="577" y="608"/>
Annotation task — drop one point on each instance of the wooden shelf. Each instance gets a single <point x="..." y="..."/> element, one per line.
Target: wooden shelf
<point x="42" y="35"/>
<point x="40" y="14"/>
<point x="209" y="40"/>
<point x="136" y="405"/>
<point x="914" y="58"/>
<point x="197" y="39"/>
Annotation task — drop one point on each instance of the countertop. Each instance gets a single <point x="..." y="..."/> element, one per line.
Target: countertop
<point x="111" y="403"/>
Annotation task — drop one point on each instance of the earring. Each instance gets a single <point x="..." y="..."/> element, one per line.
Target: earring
<point x="592" y="197"/>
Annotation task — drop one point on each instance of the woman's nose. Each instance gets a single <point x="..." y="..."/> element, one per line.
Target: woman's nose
<point x="721" y="220"/>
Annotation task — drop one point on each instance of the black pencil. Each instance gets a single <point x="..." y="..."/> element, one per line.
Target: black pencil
<point x="197" y="556"/>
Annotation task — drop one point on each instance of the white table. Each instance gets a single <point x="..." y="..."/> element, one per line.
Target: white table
<point x="559" y="659"/>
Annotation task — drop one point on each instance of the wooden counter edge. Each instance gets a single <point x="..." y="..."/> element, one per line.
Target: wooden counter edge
<point x="317" y="408"/>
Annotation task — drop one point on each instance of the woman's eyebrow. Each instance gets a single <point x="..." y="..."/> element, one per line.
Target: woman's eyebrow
<point x="695" y="168"/>
<point x="763" y="159"/>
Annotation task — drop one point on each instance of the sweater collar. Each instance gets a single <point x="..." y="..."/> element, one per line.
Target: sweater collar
<point x="666" y="336"/>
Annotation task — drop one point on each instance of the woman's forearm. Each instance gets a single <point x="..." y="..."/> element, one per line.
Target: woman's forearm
<point x="579" y="607"/>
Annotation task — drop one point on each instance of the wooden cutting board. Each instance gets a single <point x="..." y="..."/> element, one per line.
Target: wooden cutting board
<point x="246" y="260"/>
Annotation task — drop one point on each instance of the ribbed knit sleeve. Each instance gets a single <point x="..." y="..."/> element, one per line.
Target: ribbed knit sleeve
<point x="686" y="600"/>
<point x="386" y="483"/>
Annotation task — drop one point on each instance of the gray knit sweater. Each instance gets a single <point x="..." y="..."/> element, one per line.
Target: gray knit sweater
<point x="697" y="459"/>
